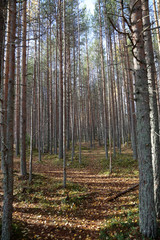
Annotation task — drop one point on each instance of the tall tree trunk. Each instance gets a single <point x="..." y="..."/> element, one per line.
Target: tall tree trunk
<point x="104" y="82"/>
<point x="31" y="140"/>
<point x="60" y="84"/>
<point x="51" y="93"/>
<point x="88" y="102"/>
<point x="23" y="168"/>
<point x="119" y="100"/>
<point x="17" y="112"/>
<point x="7" y="156"/>
<point x="79" y="90"/>
<point x="147" y="213"/>
<point x="39" y="89"/>
<point x="56" y="93"/>
<point x="131" y="96"/>
<point x="64" y="99"/>
<point x="74" y="100"/>
<point x="153" y="103"/>
<point x="68" y="93"/>
<point x="112" y="96"/>
<point x="3" y="16"/>
<point x="48" y="94"/>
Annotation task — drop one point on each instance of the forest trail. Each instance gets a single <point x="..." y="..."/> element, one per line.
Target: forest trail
<point x="47" y="211"/>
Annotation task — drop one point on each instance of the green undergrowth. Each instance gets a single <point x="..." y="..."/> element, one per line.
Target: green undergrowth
<point x="121" y="164"/>
<point x="47" y="192"/>
<point x="54" y="159"/>
<point x="124" y="226"/>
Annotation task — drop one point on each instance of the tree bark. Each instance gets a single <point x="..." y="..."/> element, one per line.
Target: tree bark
<point x="147" y="213"/>
<point x="3" y="16"/>
<point x="103" y="81"/>
<point x="23" y="168"/>
<point x="79" y="90"/>
<point x="17" y="112"/>
<point x="64" y="100"/>
<point x="8" y="145"/>
<point x="60" y="84"/>
<point x="151" y="70"/>
<point x="39" y="90"/>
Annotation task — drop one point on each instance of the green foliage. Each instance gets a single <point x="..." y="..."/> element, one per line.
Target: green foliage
<point x="121" y="164"/>
<point x="122" y="227"/>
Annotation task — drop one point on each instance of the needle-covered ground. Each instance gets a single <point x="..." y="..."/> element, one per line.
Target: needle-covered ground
<point x="86" y="209"/>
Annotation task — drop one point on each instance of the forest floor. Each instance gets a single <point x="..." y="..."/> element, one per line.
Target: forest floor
<point x="86" y="208"/>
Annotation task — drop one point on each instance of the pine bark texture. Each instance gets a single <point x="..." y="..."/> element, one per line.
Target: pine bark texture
<point x="151" y="71"/>
<point x="7" y="156"/>
<point x="147" y="213"/>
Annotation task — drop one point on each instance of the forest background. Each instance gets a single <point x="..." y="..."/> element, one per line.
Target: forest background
<point x="68" y="78"/>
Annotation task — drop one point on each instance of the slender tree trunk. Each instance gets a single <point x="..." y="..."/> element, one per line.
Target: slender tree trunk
<point x="39" y="92"/>
<point x="64" y="100"/>
<point x="73" y="101"/>
<point x="3" y="16"/>
<point x="112" y="97"/>
<point x="68" y="94"/>
<point x="130" y="88"/>
<point x="89" y="117"/>
<point x="56" y="93"/>
<point x="31" y="141"/>
<point x="147" y="213"/>
<point x="51" y="94"/>
<point x="79" y="76"/>
<point x="17" y="118"/>
<point x="119" y="100"/>
<point x="104" y="82"/>
<point x="8" y="145"/>
<point x="60" y="84"/>
<point x="48" y="95"/>
<point x="6" y="78"/>
<point x="23" y="168"/>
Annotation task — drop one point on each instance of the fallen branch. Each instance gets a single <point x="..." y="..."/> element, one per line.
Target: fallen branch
<point x="123" y="192"/>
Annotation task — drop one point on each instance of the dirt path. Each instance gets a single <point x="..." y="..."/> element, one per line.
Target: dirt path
<point x="55" y="213"/>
